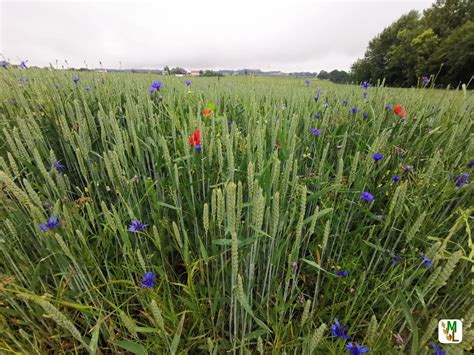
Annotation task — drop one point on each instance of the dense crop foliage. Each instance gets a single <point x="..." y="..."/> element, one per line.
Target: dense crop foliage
<point x="281" y="214"/>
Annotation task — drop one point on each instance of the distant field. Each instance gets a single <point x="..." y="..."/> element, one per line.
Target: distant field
<point x="124" y="229"/>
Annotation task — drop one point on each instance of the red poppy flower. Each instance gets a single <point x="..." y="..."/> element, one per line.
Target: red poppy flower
<point x="397" y="109"/>
<point x="206" y="112"/>
<point x="195" y="138"/>
<point x="400" y="111"/>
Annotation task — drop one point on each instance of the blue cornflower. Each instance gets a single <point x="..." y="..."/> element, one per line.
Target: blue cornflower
<point x="342" y="273"/>
<point x="88" y="89"/>
<point x="365" y="115"/>
<point x="426" y="261"/>
<point x="316" y="98"/>
<point x="315" y="131"/>
<point x="396" y="178"/>
<point x="366" y="196"/>
<point x="377" y="156"/>
<point x="364" y="95"/>
<point x="438" y="349"/>
<point x="188" y="82"/>
<point x="345" y="101"/>
<point x="354" y="110"/>
<point x="76" y="79"/>
<point x="318" y="116"/>
<point x="198" y="148"/>
<point x="470" y="164"/>
<point x="356" y="348"/>
<point x="23" y="64"/>
<point x="396" y="259"/>
<point x="148" y="280"/>
<point x="426" y="80"/>
<point x="136" y="226"/>
<point x="365" y="85"/>
<point x="51" y="223"/>
<point x="155" y="85"/>
<point x="338" y="331"/>
<point x="60" y="168"/>
<point x="461" y="180"/>
<point x="388" y="107"/>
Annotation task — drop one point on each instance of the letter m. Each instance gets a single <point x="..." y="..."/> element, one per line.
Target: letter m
<point x="452" y="326"/>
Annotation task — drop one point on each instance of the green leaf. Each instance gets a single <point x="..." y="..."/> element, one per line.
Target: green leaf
<point x="177" y="336"/>
<point x="203" y="250"/>
<point x="146" y="330"/>
<point x="247" y="308"/>
<point x="255" y="334"/>
<point x="228" y="242"/>
<point x="319" y="215"/>
<point x="376" y="247"/>
<point x="312" y="263"/>
<point x="95" y="339"/>
<point x="410" y="320"/>
<point x="167" y="206"/>
<point x="131" y="346"/>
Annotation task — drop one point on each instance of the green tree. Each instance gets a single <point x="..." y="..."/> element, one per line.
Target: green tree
<point x="323" y="75"/>
<point x="385" y="56"/>
<point x="412" y="47"/>
<point x="211" y="73"/>
<point x="455" y="56"/>
<point x="400" y="62"/>
<point x="336" y="76"/>
<point x="361" y="70"/>
<point x="424" y="45"/>
<point x="177" y="70"/>
<point x="446" y="15"/>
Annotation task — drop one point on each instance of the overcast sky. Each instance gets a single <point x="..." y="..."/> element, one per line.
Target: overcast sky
<point x="287" y="35"/>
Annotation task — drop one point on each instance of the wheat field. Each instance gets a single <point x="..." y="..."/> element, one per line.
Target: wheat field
<point x="124" y="230"/>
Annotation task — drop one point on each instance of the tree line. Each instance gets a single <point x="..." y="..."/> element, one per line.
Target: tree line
<point x="336" y="76"/>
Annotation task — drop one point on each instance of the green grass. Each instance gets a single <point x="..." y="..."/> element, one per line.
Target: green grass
<point x="245" y="237"/>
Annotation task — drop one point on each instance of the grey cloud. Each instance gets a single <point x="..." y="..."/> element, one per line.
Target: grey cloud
<point x="286" y="35"/>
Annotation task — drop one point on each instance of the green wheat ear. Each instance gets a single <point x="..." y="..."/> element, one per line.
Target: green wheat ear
<point x="260" y="345"/>
<point x="372" y="332"/>
<point x="129" y="323"/>
<point x="316" y="338"/>
<point x="205" y="217"/>
<point x="306" y="310"/>
<point x="429" y="331"/>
